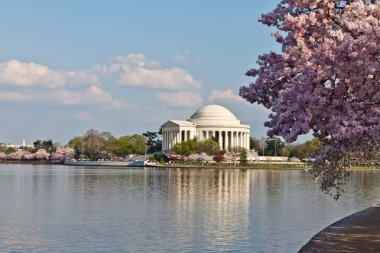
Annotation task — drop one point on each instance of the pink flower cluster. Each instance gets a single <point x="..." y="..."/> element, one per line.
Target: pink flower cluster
<point x="326" y="78"/>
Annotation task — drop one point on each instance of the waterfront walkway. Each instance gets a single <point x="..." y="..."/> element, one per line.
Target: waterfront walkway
<point x="359" y="232"/>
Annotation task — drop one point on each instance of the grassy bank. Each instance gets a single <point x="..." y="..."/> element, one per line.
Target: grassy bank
<point x="272" y="166"/>
<point x="268" y="166"/>
<point x="28" y="162"/>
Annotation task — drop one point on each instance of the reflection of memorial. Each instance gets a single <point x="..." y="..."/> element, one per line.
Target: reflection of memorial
<point x="214" y="202"/>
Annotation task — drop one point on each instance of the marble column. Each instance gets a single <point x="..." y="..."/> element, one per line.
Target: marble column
<point x="220" y="140"/>
<point x="235" y="139"/>
<point x="165" y="140"/>
<point x="171" y="139"/>
<point x="168" y="140"/>
<point x="243" y="140"/>
<point x="248" y="141"/>
<point x="229" y="140"/>
<point x="225" y="140"/>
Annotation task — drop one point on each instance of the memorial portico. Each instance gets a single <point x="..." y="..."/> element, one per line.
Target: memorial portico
<point x="209" y="121"/>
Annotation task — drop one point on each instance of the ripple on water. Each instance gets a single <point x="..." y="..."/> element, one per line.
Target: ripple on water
<point x="69" y="209"/>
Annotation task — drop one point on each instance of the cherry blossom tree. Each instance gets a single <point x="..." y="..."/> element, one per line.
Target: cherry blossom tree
<point x="42" y="154"/>
<point x="3" y="156"/>
<point x="325" y="80"/>
<point x="62" y="153"/>
<point x="19" y="155"/>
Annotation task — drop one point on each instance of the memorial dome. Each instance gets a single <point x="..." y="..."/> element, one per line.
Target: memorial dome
<point x="211" y="114"/>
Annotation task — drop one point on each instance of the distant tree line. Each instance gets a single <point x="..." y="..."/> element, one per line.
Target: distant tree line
<point x="42" y="150"/>
<point x="95" y="145"/>
<point x="209" y="146"/>
<point x="276" y="147"/>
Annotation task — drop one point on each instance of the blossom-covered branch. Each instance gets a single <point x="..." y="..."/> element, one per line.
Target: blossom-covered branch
<point x="325" y="80"/>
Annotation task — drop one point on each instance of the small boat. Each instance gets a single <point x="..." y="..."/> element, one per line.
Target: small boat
<point x="106" y="163"/>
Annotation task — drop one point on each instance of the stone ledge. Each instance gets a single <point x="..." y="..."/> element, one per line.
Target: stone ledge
<point x="359" y="232"/>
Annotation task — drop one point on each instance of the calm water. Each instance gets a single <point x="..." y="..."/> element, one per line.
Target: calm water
<point x="68" y="209"/>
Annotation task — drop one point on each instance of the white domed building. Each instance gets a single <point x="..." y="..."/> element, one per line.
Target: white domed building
<point x="209" y="121"/>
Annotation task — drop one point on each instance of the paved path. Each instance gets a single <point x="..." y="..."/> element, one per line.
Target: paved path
<point x="359" y="232"/>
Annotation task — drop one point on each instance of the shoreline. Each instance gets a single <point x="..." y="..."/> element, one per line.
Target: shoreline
<point x="358" y="232"/>
<point x="36" y="162"/>
<point x="253" y="166"/>
<point x="166" y="166"/>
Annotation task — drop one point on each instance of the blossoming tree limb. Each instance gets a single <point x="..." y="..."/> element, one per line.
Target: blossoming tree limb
<point x="325" y="79"/>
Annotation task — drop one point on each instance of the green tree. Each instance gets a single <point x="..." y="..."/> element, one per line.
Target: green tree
<point x="94" y="144"/>
<point x="234" y="153"/>
<point x="209" y="146"/>
<point x="309" y="148"/>
<point x="10" y="150"/>
<point x="161" y="157"/>
<point x="120" y="147"/>
<point x="154" y="144"/>
<point x="294" y="150"/>
<point x="48" y="145"/>
<point x="254" y="144"/>
<point x="107" y="136"/>
<point x="274" y="146"/>
<point x="76" y="142"/>
<point x="243" y="158"/>
<point x="138" y="143"/>
<point x="186" y="147"/>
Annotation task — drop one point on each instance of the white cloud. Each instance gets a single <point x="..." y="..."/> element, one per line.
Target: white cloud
<point x="30" y="74"/>
<point x="90" y="96"/>
<point x="36" y="82"/>
<point x="225" y="95"/>
<point x="181" y="98"/>
<point x="64" y="87"/>
<point x="12" y="96"/>
<point x="74" y="78"/>
<point x="136" y="70"/>
<point x="182" y="56"/>
<point x="82" y="116"/>
<point x="18" y="73"/>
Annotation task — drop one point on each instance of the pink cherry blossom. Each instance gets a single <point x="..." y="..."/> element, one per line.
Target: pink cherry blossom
<point x="324" y="80"/>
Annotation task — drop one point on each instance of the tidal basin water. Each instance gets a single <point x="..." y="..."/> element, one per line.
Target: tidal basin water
<point x="78" y="209"/>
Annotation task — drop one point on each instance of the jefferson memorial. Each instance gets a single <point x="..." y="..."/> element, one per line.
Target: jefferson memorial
<point x="209" y="121"/>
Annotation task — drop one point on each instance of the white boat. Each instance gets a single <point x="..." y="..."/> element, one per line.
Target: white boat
<point x="106" y="163"/>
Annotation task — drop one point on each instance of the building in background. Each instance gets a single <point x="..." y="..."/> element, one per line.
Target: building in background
<point x="209" y="121"/>
<point x="16" y="146"/>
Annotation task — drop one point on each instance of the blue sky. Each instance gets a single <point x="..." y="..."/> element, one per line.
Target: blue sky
<point x="124" y="66"/>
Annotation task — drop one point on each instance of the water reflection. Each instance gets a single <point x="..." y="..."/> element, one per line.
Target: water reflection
<point x="215" y="204"/>
<point x="65" y="209"/>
